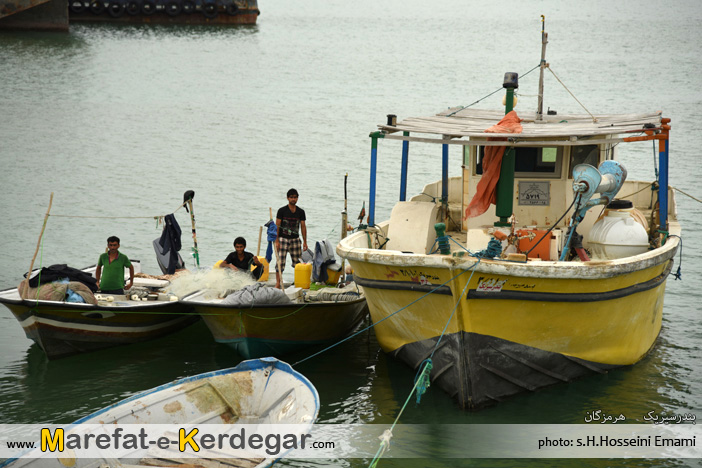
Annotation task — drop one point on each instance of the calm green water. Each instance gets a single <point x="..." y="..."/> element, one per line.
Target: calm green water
<point x="120" y="121"/>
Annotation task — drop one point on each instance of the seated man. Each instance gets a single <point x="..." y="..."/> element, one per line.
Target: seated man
<point x="240" y="260"/>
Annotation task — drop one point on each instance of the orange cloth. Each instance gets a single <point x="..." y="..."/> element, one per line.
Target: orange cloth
<point x="486" y="193"/>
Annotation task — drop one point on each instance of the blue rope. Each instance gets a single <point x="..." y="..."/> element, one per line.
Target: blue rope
<point x="444" y="246"/>
<point x="494" y="249"/>
<point x="678" y="274"/>
<point x="423" y="378"/>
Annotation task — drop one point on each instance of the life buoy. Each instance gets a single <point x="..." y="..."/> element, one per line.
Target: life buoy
<point x="209" y="9"/>
<point x="77" y="6"/>
<point x="232" y="8"/>
<point x="116" y="8"/>
<point x="173" y="7"/>
<point x="97" y="7"/>
<point x="148" y="7"/>
<point x="188" y="6"/>
<point x="133" y="7"/>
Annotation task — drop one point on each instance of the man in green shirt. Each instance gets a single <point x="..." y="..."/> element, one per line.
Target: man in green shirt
<point x="114" y="264"/>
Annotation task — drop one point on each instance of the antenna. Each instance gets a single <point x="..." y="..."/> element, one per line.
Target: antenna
<point x="544" y="65"/>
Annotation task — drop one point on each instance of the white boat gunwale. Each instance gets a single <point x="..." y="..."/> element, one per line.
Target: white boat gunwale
<point x="252" y="365"/>
<point x="593" y="269"/>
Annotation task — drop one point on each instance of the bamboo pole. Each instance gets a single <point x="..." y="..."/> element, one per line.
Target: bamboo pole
<point x="36" y="251"/>
<point x="258" y="249"/>
<point x="344" y="224"/>
<point x="196" y="252"/>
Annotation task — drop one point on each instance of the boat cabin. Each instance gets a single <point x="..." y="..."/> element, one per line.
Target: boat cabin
<point x="541" y="196"/>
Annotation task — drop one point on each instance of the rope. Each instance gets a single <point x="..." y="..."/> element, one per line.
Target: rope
<point x="566" y="88"/>
<point x="106" y="217"/>
<point x="572" y="226"/>
<point x="494" y="249"/>
<point x="639" y="191"/>
<point x="387" y="435"/>
<point x="485" y="97"/>
<point x="383" y="319"/>
<point x="687" y="194"/>
<point x="422" y="381"/>
<point x="678" y="274"/>
<point x="116" y="217"/>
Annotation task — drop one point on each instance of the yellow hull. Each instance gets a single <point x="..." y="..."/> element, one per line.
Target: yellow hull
<point x="508" y="327"/>
<point x="602" y="325"/>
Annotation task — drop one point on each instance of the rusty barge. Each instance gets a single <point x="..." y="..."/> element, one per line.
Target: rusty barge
<point x="165" y="11"/>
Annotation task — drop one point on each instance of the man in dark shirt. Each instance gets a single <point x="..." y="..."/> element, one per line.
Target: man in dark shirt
<point x="291" y="222"/>
<point x="240" y="260"/>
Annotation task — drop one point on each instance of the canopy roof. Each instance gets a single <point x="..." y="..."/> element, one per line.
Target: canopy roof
<point x="466" y="123"/>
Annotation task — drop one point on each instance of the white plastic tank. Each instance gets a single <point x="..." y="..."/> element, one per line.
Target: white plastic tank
<point x="618" y="234"/>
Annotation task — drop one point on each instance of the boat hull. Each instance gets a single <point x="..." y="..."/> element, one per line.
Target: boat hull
<point x="234" y="12"/>
<point x="511" y="328"/>
<point x="257" y="392"/>
<point x="65" y="329"/>
<point x="278" y="330"/>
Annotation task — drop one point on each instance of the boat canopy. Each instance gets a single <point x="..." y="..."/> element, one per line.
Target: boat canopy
<point x="463" y="123"/>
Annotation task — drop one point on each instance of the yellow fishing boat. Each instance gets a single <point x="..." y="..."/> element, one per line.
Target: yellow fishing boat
<point x="541" y="264"/>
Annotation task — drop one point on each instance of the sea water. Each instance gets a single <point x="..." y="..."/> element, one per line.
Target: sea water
<point x="118" y="121"/>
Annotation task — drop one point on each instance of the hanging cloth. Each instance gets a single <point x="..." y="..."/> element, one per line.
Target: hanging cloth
<point x="272" y="234"/>
<point x="168" y="245"/>
<point x="486" y="192"/>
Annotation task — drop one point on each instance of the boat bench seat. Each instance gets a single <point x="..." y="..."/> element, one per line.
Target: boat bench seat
<point x="411" y="226"/>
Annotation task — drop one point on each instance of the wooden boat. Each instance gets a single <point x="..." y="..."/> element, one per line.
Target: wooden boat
<point x="257" y="392"/>
<point x="278" y="329"/>
<point x="65" y="328"/>
<point x="243" y="12"/>
<point x="533" y="313"/>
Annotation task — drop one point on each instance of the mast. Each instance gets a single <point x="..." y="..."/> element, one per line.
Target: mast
<point x="544" y="41"/>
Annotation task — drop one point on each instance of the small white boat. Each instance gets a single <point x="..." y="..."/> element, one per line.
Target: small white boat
<point x="62" y="328"/>
<point x="256" y="392"/>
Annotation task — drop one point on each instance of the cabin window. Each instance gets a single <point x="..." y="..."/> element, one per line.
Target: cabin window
<point x="587" y="154"/>
<point x="530" y="162"/>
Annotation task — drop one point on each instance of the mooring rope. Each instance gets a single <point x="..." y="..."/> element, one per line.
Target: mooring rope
<point x="383" y="319"/>
<point x="422" y="381"/>
<point x="686" y="194"/>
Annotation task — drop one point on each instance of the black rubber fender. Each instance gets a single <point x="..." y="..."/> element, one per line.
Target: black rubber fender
<point x="77" y="6"/>
<point x="97" y="7"/>
<point x="173" y="7"/>
<point x="148" y="7"/>
<point x="232" y="8"/>
<point x="209" y="9"/>
<point x="116" y="8"/>
<point x="133" y="7"/>
<point x="188" y="6"/>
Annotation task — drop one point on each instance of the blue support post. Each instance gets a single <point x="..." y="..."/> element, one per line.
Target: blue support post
<point x="403" y="172"/>
<point x="663" y="184"/>
<point x="374" y="164"/>
<point x="444" y="174"/>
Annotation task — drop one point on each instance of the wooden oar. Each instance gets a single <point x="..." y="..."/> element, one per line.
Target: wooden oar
<point x="36" y="251"/>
